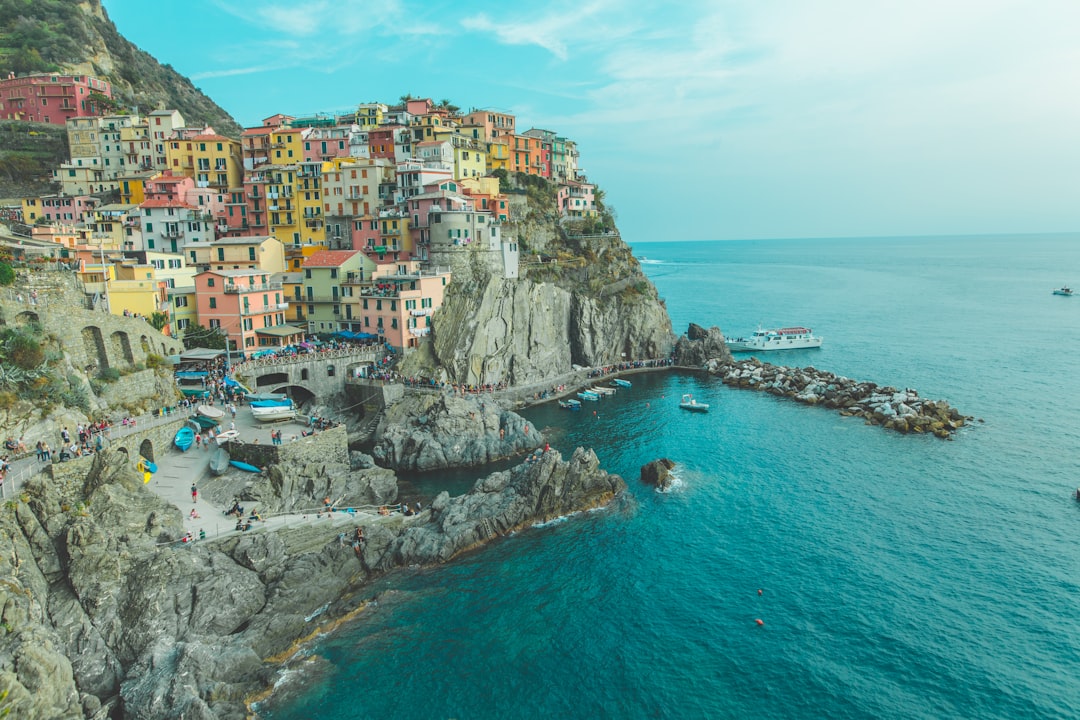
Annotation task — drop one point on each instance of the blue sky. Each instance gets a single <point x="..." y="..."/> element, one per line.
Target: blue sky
<point x="701" y="120"/>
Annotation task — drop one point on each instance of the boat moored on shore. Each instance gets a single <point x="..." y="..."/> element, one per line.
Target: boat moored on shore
<point x="789" y="338"/>
<point x="570" y="404"/>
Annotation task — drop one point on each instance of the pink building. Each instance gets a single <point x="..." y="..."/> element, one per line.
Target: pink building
<point x="440" y="197"/>
<point x="246" y="306"/>
<point x="169" y="187"/>
<point x="50" y="98"/>
<point x="399" y="303"/>
<point x="61" y="209"/>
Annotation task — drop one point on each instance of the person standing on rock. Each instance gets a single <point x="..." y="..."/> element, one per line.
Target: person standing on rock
<point x="194" y="493"/>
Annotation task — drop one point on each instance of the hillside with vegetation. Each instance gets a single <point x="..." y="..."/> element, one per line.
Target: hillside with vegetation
<point x="78" y="37"/>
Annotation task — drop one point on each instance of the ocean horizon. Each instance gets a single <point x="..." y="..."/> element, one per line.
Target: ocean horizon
<point x="900" y="576"/>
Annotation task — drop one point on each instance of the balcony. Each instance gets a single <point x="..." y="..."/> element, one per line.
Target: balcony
<point x="258" y="309"/>
<point x="234" y="289"/>
<point x="283" y="306"/>
<point x="171" y="234"/>
<point x="354" y="279"/>
<point x="419" y="332"/>
<point x="421" y="312"/>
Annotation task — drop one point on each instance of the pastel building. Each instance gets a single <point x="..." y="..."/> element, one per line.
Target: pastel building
<point x="331" y="279"/>
<point x="255" y="147"/>
<point x="265" y="253"/>
<point x="218" y="162"/>
<point x="399" y="301"/>
<point x="171" y="226"/>
<point x="463" y="237"/>
<point x="60" y="209"/>
<point x="246" y="306"/>
<point x="576" y="199"/>
<point x="490" y="125"/>
<point x="183" y="310"/>
<point x="51" y="97"/>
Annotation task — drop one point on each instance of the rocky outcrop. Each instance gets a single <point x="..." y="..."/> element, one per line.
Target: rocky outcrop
<point x="699" y="347"/>
<point x="900" y="410"/>
<point x="301" y="472"/>
<point x="657" y="473"/>
<point x="542" y="488"/>
<point x="434" y="430"/>
<point x="101" y="616"/>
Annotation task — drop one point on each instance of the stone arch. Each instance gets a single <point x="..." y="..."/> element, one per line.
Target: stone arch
<point x="303" y="373"/>
<point x="94" y="346"/>
<point x="298" y="393"/>
<point x="121" y="347"/>
<point x="27" y="317"/>
<point x="146" y="449"/>
<point x="275" y="378"/>
<point x="144" y="343"/>
<point x="330" y="370"/>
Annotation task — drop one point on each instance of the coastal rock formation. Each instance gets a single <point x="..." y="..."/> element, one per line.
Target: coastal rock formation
<point x="101" y="615"/>
<point x="523" y="332"/>
<point x="300" y="473"/>
<point x="657" y="473"/>
<point x="433" y="430"/>
<point x="900" y="410"/>
<point x="699" y="347"/>
<point x="540" y="489"/>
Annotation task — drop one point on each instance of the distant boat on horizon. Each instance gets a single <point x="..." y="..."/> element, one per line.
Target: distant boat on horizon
<point x="1064" y="290"/>
<point x="789" y="338"/>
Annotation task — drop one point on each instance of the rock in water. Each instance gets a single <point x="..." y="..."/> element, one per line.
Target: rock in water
<point x="657" y="473"/>
<point x="700" y="346"/>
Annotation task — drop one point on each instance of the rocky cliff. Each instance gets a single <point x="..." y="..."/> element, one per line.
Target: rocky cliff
<point x="102" y="616"/>
<point x="589" y="305"/>
<point x="431" y="431"/>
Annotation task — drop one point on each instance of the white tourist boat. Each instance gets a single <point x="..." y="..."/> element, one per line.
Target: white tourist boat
<point x="790" y="338"/>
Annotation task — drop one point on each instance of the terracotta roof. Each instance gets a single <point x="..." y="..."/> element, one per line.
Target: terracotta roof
<point x="258" y="131"/>
<point x="330" y="258"/>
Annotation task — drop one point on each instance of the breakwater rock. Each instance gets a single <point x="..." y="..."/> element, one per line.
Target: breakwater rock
<point x="434" y="431"/>
<point x="700" y="346"/>
<point x="102" y="614"/>
<point x="900" y="410"/>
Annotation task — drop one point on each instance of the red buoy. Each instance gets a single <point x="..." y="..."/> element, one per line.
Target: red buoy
<point x="759" y="621"/>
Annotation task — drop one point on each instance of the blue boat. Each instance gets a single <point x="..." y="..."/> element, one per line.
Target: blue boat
<point x="241" y="465"/>
<point x="272" y="403"/>
<point x="621" y="383"/>
<point x="588" y="395"/>
<point x="570" y="404"/>
<point x="185" y="436"/>
<point x="146" y="466"/>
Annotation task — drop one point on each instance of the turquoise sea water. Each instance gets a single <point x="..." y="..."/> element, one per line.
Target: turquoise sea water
<point x="901" y="577"/>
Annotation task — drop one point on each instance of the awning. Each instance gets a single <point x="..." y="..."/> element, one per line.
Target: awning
<point x="280" y="331"/>
<point x="201" y="355"/>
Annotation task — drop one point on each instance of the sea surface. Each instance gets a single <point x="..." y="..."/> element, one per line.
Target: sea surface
<point x="895" y="576"/>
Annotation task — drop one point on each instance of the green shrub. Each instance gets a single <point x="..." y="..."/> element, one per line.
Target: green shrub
<point x="109" y="374"/>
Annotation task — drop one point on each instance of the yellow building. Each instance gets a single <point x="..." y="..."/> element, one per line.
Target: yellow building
<point x="309" y="204"/>
<point x="241" y="253"/>
<point x="183" y="312"/>
<point x="470" y="157"/>
<point x="369" y="115"/>
<point x="498" y="156"/>
<point x="394" y="230"/>
<point x="136" y="290"/>
<point x="133" y="186"/>
<point x="286" y="146"/>
<point x="217" y="162"/>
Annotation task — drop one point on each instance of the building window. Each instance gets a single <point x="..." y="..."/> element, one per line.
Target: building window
<point x="329" y="371"/>
<point x="213" y="303"/>
<point x="209" y="281"/>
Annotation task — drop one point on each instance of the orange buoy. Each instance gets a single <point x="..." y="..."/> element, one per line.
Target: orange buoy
<point x="759" y="621"/>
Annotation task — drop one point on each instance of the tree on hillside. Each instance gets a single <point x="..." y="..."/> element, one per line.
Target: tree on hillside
<point x="198" y="336"/>
<point x="7" y="274"/>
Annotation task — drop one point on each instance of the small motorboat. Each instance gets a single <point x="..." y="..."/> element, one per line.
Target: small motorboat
<point x="619" y="382"/>
<point x="570" y="404"/>
<point x="246" y="467"/>
<point x="219" y="461"/>
<point x="210" y="411"/>
<point x="1064" y="290"/>
<point x="226" y="435"/>
<point x="602" y="390"/>
<point x="588" y="395"/>
<point x="185" y="436"/>
<point x="689" y="403"/>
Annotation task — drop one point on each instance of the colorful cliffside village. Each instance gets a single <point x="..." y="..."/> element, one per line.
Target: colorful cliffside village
<point x="346" y="223"/>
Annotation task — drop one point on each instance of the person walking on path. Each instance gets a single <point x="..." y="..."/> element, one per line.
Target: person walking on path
<point x="194" y="493"/>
